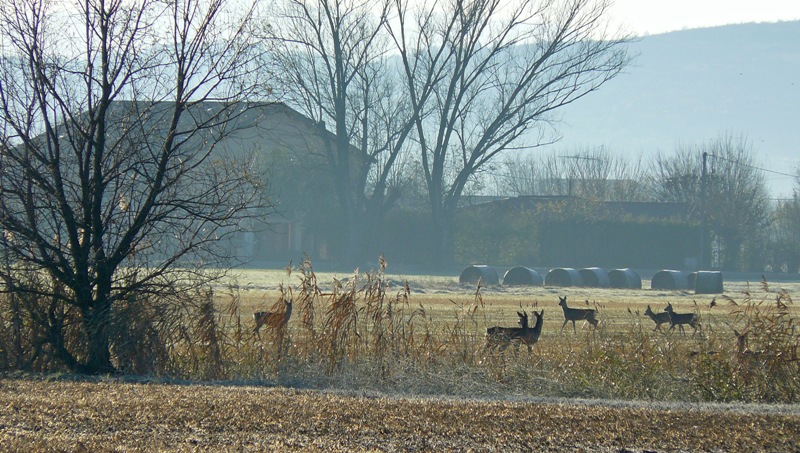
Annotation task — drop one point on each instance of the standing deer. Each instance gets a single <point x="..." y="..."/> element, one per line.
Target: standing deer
<point x="576" y="314"/>
<point x="679" y="319"/>
<point x="533" y="334"/>
<point x="658" y="318"/>
<point x="503" y="336"/>
<point x="273" y="319"/>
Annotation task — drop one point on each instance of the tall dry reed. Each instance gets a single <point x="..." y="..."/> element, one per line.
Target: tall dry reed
<point x="367" y="332"/>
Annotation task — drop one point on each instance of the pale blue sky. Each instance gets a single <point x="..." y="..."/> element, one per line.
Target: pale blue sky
<point x="643" y="17"/>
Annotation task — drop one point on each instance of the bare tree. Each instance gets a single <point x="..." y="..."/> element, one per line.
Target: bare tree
<point x="331" y="60"/>
<point x="485" y="76"/>
<point x="737" y="204"/>
<point x="112" y="184"/>
<point x="595" y="174"/>
<point x="785" y="232"/>
<point x="732" y="202"/>
<point x="785" y="235"/>
<point x="676" y="177"/>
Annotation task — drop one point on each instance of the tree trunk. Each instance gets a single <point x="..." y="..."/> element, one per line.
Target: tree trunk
<point x="355" y="238"/>
<point x="96" y="323"/>
<point x="443" y="247"/>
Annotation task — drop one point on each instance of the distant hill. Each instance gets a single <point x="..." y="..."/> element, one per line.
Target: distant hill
<point x="689" y="87"/>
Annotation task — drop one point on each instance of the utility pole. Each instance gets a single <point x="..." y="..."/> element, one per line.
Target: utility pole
<point x="703" y="182"/>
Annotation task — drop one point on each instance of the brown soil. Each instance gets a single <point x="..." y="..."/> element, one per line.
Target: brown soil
<point x="66" y="415"/>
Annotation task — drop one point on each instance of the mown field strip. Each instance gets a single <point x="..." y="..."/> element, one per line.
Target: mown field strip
<point x="444" y="298"/>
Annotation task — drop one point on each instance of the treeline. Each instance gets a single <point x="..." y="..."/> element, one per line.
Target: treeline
<point x="595" y="209"/>
<point x="578" y="241"/>
<point x="547" y="235"/>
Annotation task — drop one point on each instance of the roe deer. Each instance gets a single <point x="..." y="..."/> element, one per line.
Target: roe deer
<point x="576" y="314"/>
<point x="679" y="319"/>
<point x="758" y="358"/>
<point x="533" y="334"/>
<point x="658" y="318"/>
<point x="273" y="319"/>
<point x="743" y="350"/>
<point x="504" y="336"/>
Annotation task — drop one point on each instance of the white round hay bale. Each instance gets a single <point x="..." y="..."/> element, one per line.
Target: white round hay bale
<point x="563" y="276"/>
<point x="479" y="272"/>
<point x="594" y="277"/>
<point x="624" y="279"/>
<point x="708" y="282"/>
<point x="691" y="278"/>
<point x="670" y="279"/>
<point x="522" y="276"/>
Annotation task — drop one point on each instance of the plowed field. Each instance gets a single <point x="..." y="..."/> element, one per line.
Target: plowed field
<point x="108" y="415"/>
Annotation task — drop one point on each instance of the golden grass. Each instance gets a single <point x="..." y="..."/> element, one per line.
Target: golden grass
<point x="371" y="331"/>
<point x="445" y="299"/>
<point x="423" y="335"/>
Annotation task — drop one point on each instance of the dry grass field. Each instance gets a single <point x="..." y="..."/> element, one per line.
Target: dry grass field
<point x="388" y="362"/>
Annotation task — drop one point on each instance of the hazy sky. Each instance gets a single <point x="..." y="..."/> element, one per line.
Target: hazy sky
<point x="643" y="17"/>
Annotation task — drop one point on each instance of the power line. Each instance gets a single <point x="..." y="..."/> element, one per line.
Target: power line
<point x="752" y="166"/>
